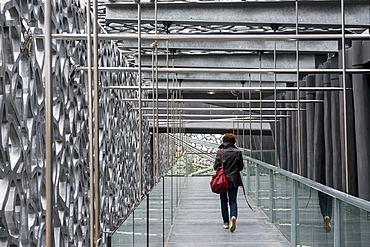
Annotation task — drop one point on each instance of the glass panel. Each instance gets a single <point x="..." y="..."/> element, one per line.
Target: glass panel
<point x="156" y="216"/>
<point x="355" y="227"/>
<point x="167" y="203"/>
<point x="283" y="203"/>
<point x="140" y="227"/>
<point x="268" y="156"/>
<point x="264" y="191"/>
<point x="163" y="200"/>
<point x="124" y="235"/>
<point x="311" y="231"/>
<point x="251" y="183"/>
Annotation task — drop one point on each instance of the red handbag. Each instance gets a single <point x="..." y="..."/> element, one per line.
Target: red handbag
<point x="219" y="182"/>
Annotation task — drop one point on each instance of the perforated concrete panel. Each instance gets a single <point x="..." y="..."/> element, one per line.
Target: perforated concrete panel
<point x="22" y="117"/>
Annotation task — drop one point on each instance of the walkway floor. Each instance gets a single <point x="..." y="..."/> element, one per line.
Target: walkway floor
<point x="199" y="223"/>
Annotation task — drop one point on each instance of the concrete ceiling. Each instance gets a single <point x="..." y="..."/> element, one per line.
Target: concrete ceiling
<point x="230" y="18"/>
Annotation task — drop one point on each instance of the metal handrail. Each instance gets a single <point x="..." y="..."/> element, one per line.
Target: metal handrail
<point x="358" y="202"/>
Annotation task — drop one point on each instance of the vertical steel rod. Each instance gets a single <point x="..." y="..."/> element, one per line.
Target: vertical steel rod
<point x="163" y="214"/>
<point x="243" y="124"/>
<point x="257" y="184"/>
<point x="344" y="98"/>
<point x="261" y="131"/>
<point x="156" y="129"/>
<point x="156" y="16"/>
<point x="294" y="217"/>
<point x="91" y="130"/>
<point x="48" y="128"/>
<point x="237" y="122"/>
<point x="140" y="146"/>
<point x="148" y="220"/>
<point x="157" y="112"/>
<point x="298" y="99"/>
<point x="271" y="197"/>
<point x="154" y="121"/>
<point x="173" y="130"/>
<point x="250" y="119"/>
<point x="167" y="107"/>
<point x="275" y="110"/>
<point x="96" y="122"/>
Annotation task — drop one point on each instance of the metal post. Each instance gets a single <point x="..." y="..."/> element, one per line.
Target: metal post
<point x="344" y="99"/>
<point x="294" y="216"/>
<point x="147" y="220"/>
<point x="275" y="110"/>
<point x="140" y="121"/>
<point x="91" y="130"/>
<point x="299" y="170"/>
<point x="173" y="130"/>
<point x="250" y="120"/>
<point x="167" y="108"/>
<point x="248" y="179"/>
<point x="163" y="214"/>
<point x="48" y="128"/>
<point x="260" y="84"/>
<point x="271" y="197"/>
<point x="96" y="123"/>
<point x="257" y="184"/>
<point x="154" y="158"/>
<point x="156" y="95"/>
<point x="243" y="125"/>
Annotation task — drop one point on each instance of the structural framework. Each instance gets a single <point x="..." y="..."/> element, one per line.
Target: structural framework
<point x="92" y="98"/>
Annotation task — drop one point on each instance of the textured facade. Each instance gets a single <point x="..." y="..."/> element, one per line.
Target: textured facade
<point x="22" y="107"/>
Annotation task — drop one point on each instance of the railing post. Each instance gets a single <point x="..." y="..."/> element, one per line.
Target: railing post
<point x="294" y="214"/>
<point x="258" y="184"/>
<point x="187" y="165"/>
<point x="337" y="222"/>
<point x="247" y="177"/>
<point x="271" y="197"/>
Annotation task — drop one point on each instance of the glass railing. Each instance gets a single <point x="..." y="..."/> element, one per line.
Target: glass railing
<point x="293" y="203"/>
<point x="297" y="206"/>
<point x="149" y="224"/>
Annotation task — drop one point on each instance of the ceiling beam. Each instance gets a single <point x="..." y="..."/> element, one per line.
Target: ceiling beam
<point x="322" y="14"/>
<point x="221" y="61"/>
<point x="306" y="61"/>
<point x="252" y="46"/>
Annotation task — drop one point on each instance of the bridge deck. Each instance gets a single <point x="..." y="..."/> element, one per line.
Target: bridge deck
<point x="198" y="221"/>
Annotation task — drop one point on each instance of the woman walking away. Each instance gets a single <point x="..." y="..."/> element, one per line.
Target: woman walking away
<point x="232" y="160"/>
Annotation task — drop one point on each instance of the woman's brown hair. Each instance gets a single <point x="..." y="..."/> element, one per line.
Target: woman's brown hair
<point x="230" y="138"/>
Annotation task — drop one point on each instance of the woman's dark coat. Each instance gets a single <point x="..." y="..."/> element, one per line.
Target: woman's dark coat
<point x="233" y="163"/>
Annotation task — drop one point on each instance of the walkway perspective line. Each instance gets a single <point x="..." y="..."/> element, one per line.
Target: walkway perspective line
<point x="198" y="221"/>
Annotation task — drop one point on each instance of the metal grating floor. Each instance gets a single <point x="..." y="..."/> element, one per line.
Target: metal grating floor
<point x="198" y="221"/>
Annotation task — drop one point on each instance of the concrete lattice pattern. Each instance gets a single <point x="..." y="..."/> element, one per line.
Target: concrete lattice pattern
<point x="22" y="153"/>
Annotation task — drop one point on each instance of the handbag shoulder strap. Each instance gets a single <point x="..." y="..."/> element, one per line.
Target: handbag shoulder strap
<point x="222" y="156"/>
<point x="245" y="196"/>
